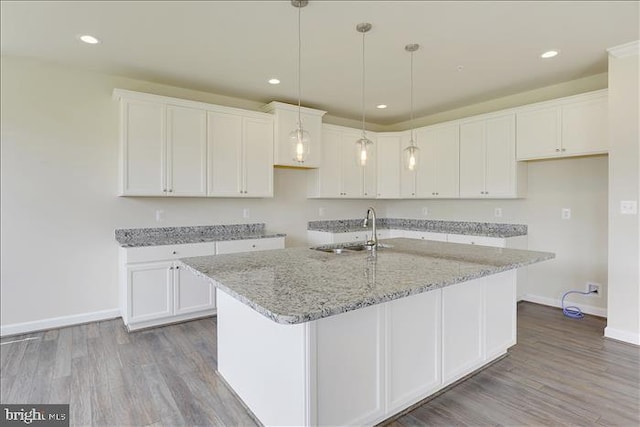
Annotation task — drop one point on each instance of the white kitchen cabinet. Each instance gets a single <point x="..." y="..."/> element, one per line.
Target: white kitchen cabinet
<point x="340" y="175"/>
<point x="249" y="245"/>
<point x="424" y="235"/>
<point x="149" y="292"/>
<point x="286" y="121"/>
<point x="191" y="293"/>
<point x="500" y="314"/>
<point x="438" y="172"/>
<point x="571" y="126"/>
<point x="488" y="167"/>
<point x="497" y="242"/>
<point x="240" y="155"/>
<point x="163" y="149"/>
<point x="462" y="329"/>
<point x="389" y="164"/>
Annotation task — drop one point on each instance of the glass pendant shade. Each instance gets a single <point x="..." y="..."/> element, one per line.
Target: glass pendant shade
<point x="363" y="150"/>
<point x="299" y="143"/>
<point x="411" y="157"/>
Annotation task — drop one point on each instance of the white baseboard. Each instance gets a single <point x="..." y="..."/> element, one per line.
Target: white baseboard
<point x="57" y="322"/>
<point x="587" y="309"/>
<point x="626" y="336"/>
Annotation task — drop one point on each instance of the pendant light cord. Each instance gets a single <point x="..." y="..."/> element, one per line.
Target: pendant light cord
<point x="363" y="74"/>
<point x="299" y="67"/>
<point x="411" y="114"/>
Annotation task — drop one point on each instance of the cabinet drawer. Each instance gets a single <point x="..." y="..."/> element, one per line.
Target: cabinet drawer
<point x="424" y="235"/>
<point x="249" y="245"/>
<point x="353" y="236"/>
<point x="497" y="242"/>
<point x="168" y="252"/>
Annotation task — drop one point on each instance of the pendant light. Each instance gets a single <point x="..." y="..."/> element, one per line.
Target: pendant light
<point x="364" y="144"/>
<point x="299" y="139"/>
<point x="412" y="151"/>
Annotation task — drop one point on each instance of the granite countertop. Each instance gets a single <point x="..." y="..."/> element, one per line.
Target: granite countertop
<point x="488" y="229"/>
<point x="297" y="285"/>
<point x="135" y="237"/>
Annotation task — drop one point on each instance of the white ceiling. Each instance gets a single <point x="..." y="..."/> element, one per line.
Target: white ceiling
<point x="234" y="47"/>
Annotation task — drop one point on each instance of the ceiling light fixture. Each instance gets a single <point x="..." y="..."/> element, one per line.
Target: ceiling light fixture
<point x="381" y="106"/>
<point x="363" y="145"/>
<point x="412" y="151"/>
<point x="549" y="54"/>
<point x="274" y="81"/>
<point x="299" y="139"/>
<point x="89" y="39"/>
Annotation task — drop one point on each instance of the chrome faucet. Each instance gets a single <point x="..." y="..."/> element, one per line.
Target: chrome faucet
<point x="373" y="242"/>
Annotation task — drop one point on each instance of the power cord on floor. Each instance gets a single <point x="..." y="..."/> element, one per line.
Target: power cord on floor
<point x="572" y="311"/>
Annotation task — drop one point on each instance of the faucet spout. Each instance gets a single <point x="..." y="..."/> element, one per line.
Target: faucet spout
<point x="373" y="242"/>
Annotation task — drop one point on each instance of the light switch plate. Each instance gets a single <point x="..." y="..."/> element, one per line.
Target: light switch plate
<point x="245" y="213"/>
<point x="159" y="215"/>
<point x="425" y="211"/>
<point x="566" y="213"/>
<point x="629" y="207"/>
<point x="497" y="212"/>
<point x="320" y="211"/>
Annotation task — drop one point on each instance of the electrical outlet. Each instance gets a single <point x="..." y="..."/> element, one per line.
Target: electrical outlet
<point x="159" y="215"/>
<point x="566" y="213"/>
<point x="245" y="213"/>
<point x="629" y="207"/>
<point x="320" y="211"/>
<point x="425" y="211"/>
<point x="594" y="289"/>
<point x="497" y="212"/>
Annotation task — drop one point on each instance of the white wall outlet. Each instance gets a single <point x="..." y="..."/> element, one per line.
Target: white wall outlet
<point x="321" y="211"/>
<point x="629" y="207"/>
<point x="245" y="213"/>
<point x="425" y="211"/>
<point x="566" y="213"/>
<point x="594" y="289"/>
<point x="497" y="212"/>
<point x="159" y="215"/>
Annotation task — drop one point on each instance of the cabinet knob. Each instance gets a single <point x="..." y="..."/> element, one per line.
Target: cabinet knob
<point x="174" y="252"/>
<point x="177" y="267"/>
<point x="171" y="268"/>
<point x="413" y="194"/>
<point x="253" y="246"/>
<point x="164" y="190"/>
<point x="564" y="149"/>
<point x="366" y="194"/>
<point x="170" y="190"/>
<point x="557" y="149"/>
<point x="378" y="194"/>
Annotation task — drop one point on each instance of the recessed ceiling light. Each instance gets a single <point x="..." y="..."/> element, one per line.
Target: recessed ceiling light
<point x="460" y="67"/>
<point x="549" y="54"/>
<point x="274" y="81"/>
<point x="381" y="106"/>
<point x="89" y="39"/>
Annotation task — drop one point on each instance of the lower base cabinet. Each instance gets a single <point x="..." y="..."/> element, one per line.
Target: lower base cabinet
<point x="364" y="366"/>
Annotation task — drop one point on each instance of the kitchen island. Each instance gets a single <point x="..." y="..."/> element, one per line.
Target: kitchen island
<point x="308" y="337"/>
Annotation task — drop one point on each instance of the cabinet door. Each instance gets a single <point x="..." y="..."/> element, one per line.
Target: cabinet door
<point x="330" y="171"/>
<point x="538" y="133"/>
<point x="447" y="152"/>
<point x="496" y="242"/>
<point x="413" y="348"/>
<point x="150" y="291"/>
<point x="500" y="144"/>
<point x="370" y="172"/>
<point x="389" y="164"/>
<point x="352" y="172"/>
<point x="584" y="127"/>
<point x="424" y="235"/>
<point x="186" y="151"/>
<point x="191" y="293"/>
<point x="500" y="313"/>
<point x="472" y="159"/>
<point x="143" y="149"/>
<point x="462" y="329"/>
<point x="426" y="171"/>
<point x="224" y="150"/>
<point x="249" y="245"/>
<point x="258" y="157"/>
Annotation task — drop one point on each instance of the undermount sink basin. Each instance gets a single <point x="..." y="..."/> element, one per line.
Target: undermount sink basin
<point x="348" y="247"/>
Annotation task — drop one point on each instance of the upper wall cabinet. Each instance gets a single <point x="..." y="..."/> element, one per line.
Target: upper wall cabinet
<point x="572" y="126"/>
<point x="340" y="175"/>
<point x="389" y="164"/>
<point x="163" y="150"/>
<point x="176" y="147"/>
<point x="488" y="167"/>
<point x="286" y="120"/>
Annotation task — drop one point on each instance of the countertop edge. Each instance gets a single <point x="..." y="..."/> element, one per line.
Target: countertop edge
<point x="198" y="239"/>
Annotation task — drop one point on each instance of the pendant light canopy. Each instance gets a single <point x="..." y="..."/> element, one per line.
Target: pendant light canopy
<point x="411" y="153"/>
<point x="364" y="144"/>
<point x="299" y="139"/>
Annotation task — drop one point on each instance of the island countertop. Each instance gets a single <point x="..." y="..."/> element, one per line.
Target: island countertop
<point x="297" y="285"/>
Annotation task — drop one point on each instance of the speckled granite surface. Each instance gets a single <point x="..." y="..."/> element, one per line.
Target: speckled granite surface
<point x="132" y="237"/>
<point x="297" y="285"/>
<point x="488" y="229"/>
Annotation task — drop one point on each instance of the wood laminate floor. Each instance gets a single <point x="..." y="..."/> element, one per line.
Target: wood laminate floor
<point x="561" y="372"/>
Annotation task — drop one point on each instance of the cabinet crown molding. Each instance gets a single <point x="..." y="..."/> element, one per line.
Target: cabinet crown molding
<point x="627" y="49"/>
<point x="275" y="105"/>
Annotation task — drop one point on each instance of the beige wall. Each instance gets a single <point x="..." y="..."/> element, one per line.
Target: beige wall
<point x="624" y="165"/>
<point x="59" y="205"/>
<point x="580" y="243"/>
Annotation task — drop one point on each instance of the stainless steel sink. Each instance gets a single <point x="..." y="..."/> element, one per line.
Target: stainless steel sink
<point x="348" y="247"/>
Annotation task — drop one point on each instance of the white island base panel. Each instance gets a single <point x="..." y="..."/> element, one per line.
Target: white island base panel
<point x="366" y="365"/>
